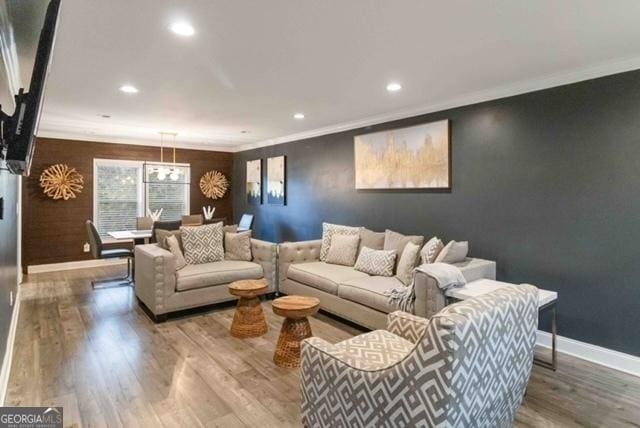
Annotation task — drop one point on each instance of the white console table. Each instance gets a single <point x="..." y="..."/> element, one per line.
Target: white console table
<point x="547" y="300"/>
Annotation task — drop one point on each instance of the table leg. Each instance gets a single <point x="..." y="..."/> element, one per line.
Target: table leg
<point x="248" y="321"/>
<point x="293" y="332"/>
<point x="553" y="365"/>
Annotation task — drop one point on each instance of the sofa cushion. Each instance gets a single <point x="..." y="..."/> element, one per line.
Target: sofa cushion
<point x="370" y="291"/>
<point x="407" y="263"/>
<point x="343" y="250"/>
<point x="431" y="250"/>
<point x="453" y="252"/>
<point x="371" y="239"/>
<point x="376" y="262"/>
<point x="216" y="273"/>
<point x="202" y="244"/>
<point x="378" y="348"/>
<point x="328" y="230"/>
<point x="323" y="276"/>
<point x="174" y="247"/>
<point x="397" y="241"/>
<point x="237" y="246"/>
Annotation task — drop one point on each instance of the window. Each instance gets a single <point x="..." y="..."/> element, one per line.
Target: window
<point x="120" y="195"/>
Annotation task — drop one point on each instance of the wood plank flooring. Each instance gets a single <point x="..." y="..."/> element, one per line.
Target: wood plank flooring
<point x="98" y="355"/>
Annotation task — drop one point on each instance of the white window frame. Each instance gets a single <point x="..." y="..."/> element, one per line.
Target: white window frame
<point x="143" y="188"/>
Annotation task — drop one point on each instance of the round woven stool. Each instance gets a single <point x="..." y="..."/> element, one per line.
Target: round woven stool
<point x="295" y="328"/>
<point x="248" y="321"/>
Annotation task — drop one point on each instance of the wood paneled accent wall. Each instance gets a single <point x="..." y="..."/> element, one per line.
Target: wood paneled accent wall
<point x="54" y="231"/>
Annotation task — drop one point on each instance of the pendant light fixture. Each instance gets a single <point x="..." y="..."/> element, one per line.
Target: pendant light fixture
<point x="168" y="172"/>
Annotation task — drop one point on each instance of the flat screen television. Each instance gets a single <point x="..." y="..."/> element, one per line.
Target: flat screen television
<point x="20" y="129"/>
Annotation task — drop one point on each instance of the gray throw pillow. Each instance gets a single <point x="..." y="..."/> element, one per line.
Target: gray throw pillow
<point x="202" y="244"/>
<point x="162" y="235"/>
<point x="328" y="230"/>
<point x="431" y="250"/>
<point x="343" y="250"/>
<point x="237" y="246"/>
<point x="371" y="239"/>
<point x="407" y="263"/>
<point x="376" y="262"/>
<point x="453" y="252"/>
<point x="397" y="241"/>
<point x="174" y="247"/>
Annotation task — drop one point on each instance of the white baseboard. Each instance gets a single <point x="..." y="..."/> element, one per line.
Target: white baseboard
<point x="596" y="354"/>
<point x="8" y="355"/>
<point x="55" y="267"/>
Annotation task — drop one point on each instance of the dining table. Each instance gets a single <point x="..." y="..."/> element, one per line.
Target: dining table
<point x="137" y="236"/>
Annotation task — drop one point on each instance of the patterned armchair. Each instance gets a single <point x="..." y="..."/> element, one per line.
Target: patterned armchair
<point x="468" y="366"/>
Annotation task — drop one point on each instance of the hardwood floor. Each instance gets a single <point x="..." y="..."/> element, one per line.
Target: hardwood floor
<point x="100" y="357"/>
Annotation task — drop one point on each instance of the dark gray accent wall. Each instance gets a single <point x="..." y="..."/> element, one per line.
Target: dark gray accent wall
<point x="8" y="252"/>
<point x="546" y="183"/>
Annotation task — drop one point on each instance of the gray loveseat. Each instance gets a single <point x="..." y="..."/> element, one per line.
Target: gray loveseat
<point x="163" y="290"/>
<point x="357" y="296"/>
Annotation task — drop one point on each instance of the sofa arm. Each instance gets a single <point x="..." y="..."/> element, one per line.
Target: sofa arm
<point x="155" y="277"/>
<point x="266" y="253"/>
<point x="430" y="299"/>
<point x="407" y="326"/>
<point x="296" y="252"/>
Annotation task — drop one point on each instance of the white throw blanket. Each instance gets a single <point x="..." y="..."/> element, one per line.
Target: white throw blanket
<point x="444" y="274"/>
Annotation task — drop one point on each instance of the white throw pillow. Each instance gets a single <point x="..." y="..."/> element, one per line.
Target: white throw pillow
<point x="407" y="263"/>
<point x="202" y="244"/>
<point x="343" y="249"/>
<point x="431" y="250"/>
<point x="174" y="246"/>
<point x="328" y="230"/>
<point x="376" y="262"/>
<point x="453" y="252"/>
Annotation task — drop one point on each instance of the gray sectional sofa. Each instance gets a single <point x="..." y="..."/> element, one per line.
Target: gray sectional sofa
<point x="357" y="296"/>
<point x="163" y="290"/>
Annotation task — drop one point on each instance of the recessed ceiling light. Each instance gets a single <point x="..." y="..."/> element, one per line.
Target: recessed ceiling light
<point x="129" y="89"/>
<point x="394" y="87"/>
<point x="298" y="116"/>
<point x="182" y="29"/>
<point x="244" y="132"/>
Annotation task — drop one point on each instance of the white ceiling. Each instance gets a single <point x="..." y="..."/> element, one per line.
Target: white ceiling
<point x="252" y="64"/>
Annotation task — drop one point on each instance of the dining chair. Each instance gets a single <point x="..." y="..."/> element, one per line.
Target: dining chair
<point x="144" y="223"/>
<point x="193" y="220"/>
<point x="246" y="222"/>
<point x="98" y="252"/>
<point x="164" y="225"/>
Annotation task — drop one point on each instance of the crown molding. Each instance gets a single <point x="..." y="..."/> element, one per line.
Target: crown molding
<point x="65" y="135"/>
<point x="518" y="88"/>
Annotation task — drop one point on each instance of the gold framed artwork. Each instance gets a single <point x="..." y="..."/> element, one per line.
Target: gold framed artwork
<point x="276" y="180"/>
<point x="417" y="157"/>
<point x="254" y="182"/>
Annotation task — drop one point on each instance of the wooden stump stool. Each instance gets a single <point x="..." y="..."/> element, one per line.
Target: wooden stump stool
<point x="248" y="321"/>
<point x="295" y="327"/>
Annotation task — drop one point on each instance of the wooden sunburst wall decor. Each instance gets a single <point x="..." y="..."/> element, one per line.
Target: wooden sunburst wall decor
<point x="61" y="182"/>
<point x="214" y="184"/>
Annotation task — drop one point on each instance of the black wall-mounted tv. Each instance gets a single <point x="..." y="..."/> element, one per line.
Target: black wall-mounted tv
<point x="20" y="129"/>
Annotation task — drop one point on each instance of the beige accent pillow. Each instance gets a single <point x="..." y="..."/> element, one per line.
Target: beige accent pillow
<point x="343" y="250"/>
<point x="397" y="241"/>
<point x="371" y="239"/>
<point x="453" y="252"/>
<point x="431" y="250"/>
<point x="237" y="246"/>
<point x="407" y="263"/>
<point x="174" y="247"/>
<point x="376" y="262"/>
<point x="162" y="235"/>
<point x="202" y="244"/>
<point x="328" y="230"/>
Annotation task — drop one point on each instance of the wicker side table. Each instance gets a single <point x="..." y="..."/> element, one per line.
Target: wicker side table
<point x="295" y="327"/>
<point x="248" y="321"/>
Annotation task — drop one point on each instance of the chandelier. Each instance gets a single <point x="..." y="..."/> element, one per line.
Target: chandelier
<point x="164" y="170"/>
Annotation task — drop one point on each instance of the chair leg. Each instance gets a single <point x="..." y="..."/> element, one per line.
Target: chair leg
<point x="126" y="281"/>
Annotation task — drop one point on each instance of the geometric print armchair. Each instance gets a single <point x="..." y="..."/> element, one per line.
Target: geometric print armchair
<point x="467" y="366"/>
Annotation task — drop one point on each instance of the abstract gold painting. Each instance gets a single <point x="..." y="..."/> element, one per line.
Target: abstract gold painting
<point x="417" y="157"/>
<point x="254" y="182"/>
<point x="276" y="180"/>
